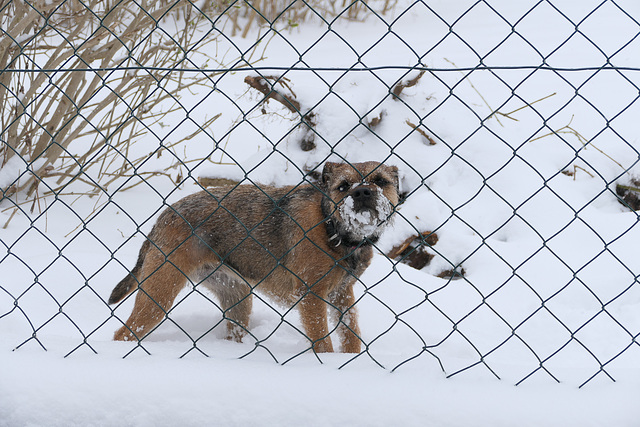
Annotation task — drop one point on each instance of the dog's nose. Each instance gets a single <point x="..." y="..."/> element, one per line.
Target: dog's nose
<point x="361" y="193"/>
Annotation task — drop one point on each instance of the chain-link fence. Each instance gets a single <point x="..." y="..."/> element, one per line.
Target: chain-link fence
<point x="513" y="128"/>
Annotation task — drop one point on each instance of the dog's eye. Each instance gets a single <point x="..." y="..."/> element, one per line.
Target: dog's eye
<point x="380" y="182"/>
<point x="343" y="187"/>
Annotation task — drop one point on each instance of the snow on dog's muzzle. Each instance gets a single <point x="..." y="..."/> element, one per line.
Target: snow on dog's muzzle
<point x="365" y="211"/>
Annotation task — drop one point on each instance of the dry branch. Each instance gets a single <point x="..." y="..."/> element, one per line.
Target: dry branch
<point x="260" y="84"/>
<point x="308" y="120"/>
<point x="44" y="113"/>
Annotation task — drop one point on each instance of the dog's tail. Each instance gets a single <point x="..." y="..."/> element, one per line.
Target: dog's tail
<point x="130" y="282"/>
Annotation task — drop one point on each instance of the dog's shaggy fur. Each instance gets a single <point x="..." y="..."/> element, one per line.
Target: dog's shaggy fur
<point x="303" y="246"/>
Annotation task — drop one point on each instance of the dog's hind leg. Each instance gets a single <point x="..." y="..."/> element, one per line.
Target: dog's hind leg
<point x="236" y="300"/>
<point x="162" y="281"/>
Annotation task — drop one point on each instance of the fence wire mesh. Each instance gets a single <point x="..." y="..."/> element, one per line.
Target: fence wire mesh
<point x="513" y="126"/>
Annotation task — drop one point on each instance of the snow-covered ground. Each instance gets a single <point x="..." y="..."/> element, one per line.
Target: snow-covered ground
<point x="519" y="187"/>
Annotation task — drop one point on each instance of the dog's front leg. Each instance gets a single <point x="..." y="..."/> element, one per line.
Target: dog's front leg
<point x="313" y="311"/>
<point x="346" y="317"/>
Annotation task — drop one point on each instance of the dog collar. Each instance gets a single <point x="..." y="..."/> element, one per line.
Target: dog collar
<point x="342" y="240"/>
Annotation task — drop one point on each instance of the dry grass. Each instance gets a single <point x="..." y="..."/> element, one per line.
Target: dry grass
<point x="78" y="72"/>
<point x="291" y="13"/>
<point x="102" y="71"/>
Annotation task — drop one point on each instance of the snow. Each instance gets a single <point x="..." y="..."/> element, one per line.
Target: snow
<point x="523" y="200"/>
<point x="158" y="391"/>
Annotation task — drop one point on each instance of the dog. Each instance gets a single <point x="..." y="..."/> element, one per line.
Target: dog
<point x="303" y="246"/>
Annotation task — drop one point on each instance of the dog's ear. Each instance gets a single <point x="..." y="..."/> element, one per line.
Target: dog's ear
<point x="327" y="172"/>
<point x="396" y="177"/>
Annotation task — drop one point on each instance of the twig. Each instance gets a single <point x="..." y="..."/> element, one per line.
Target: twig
<point x="508" y="115"/>
<point x="402" y="85"/>
<point x="476" y="90"/>
<point x="15" y="211"/>
<point x="307" y="142"/>
<point x="585" y="143"/>
<point x="576" y="167"/>
<point x="629" y="188"/>
<point x="260" y="84"/>
<point x="421" y="132"/>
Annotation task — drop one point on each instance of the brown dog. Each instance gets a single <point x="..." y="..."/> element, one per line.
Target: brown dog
<point x="304" y="246"/>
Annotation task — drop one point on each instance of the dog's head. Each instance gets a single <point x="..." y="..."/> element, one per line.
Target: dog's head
<point x="361" y="198"/>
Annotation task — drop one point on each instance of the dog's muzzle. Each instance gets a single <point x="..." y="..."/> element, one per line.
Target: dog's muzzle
<point x="365" y="211"/>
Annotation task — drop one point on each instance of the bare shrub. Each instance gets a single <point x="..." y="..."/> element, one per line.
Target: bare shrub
<point x="94" y="71"/>
<point x="99" y="71"/>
